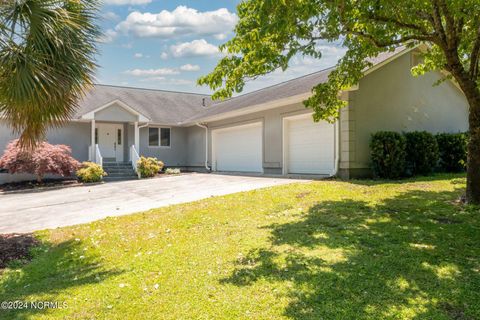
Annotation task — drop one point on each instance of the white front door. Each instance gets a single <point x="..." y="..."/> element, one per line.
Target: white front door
<point x="109" y="137"/>
<point x="238" y="148"/>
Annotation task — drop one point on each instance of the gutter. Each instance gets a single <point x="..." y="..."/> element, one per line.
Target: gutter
<point x="206" y="144"/>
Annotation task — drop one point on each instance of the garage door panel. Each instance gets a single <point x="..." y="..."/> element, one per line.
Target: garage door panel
<point x="239" y="148"/>
<point x="310" y="146"/>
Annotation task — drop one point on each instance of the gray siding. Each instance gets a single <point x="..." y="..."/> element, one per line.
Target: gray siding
<point x="115" y="113"/>
<point x="74" y="134"/>
<point x="175" y="155"/>
<point x="392" y="99"/>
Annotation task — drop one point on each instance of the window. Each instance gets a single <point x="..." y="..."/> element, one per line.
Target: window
<point x="119" y="137"/>
<point x="96" y="135"/>
<point x="159" y="137"/>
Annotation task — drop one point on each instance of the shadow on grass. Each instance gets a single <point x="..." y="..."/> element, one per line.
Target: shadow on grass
<point x="53" y="269"/>
<point x="414" y="256"/>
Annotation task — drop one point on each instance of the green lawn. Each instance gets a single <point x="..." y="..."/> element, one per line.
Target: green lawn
<point x="321" y="250"/>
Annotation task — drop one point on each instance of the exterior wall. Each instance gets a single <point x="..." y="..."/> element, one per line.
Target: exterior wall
<point x="173" y="156"/>
<point x="195" y="147"/>
<point x="272" y="133"/>
<point x="390" y="98"/>
<point x="115" y="113"/>
<point x="74" y="134"/>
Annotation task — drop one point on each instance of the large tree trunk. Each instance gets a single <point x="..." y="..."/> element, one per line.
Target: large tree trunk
<point x="473" y="164"/>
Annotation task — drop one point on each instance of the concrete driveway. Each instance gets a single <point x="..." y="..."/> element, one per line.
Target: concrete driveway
<point x="30" y="211"/>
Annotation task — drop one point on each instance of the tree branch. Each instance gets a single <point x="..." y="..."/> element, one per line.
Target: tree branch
<point x="474" y="56"/>
<point x="384" y="44"/>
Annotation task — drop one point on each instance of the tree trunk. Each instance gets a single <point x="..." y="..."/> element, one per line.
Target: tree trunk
<point x="473" y="163"/>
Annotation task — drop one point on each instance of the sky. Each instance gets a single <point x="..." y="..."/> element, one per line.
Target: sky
<point x="169" y="44"/>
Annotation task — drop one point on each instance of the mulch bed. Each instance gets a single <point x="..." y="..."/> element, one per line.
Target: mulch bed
<point x="30" y="185"/>
<point x="15" y="246"/>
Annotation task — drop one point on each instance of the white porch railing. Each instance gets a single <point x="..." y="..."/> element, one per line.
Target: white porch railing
<point x="134" y="157"/>
<point x="98" y="156"/>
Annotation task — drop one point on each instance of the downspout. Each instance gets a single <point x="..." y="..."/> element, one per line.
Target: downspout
<point x="206" y="144"/>
<point x="337" y="148"/>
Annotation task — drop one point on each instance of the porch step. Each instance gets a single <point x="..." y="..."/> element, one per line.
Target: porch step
<point x="118" y="171"/>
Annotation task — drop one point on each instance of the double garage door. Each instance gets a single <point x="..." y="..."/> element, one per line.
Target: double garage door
<point x="308" y="147"/>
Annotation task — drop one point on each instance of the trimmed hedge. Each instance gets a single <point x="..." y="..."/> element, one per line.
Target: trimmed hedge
<point x="453" y="151"/>
<point x="396" y="155"/>
<point x="422" y="153"/>
<point x="388" y="152"/>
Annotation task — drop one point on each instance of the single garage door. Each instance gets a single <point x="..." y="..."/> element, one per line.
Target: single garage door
<point x="238" y="148"/>
<point x="309" y="146"/>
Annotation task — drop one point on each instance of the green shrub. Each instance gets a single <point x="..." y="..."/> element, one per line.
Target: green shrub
<point x="453" y="151"/>
<point x="149" y="167"/>
<point x="172" y="171"/>
<point x="422" y="153"/>
<point x="90" y="172"/>
<point x="388" y="154"/>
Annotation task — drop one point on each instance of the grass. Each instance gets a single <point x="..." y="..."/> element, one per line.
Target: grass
<point x="321" y="250"/>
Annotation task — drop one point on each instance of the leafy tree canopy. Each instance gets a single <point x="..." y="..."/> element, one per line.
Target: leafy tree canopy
<point x="270" y="32"/>
<point x="47" y="50"/>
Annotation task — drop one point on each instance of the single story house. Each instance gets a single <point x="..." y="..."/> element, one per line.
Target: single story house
<point x="267" y="131"/>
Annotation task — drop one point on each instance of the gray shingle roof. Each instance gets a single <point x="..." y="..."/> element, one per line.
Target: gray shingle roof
<point x="282" y="90"/>
<point x="169" y="107"/>
<point x="279" y="91"/>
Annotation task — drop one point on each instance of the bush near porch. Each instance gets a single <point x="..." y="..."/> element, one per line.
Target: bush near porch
<point x="319" y="250"/>
<point x="149" y="167"/>
<point x="90" y="172"/>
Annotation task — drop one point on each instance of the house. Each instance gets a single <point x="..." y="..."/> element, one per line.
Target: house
<point x="268" y="131"/>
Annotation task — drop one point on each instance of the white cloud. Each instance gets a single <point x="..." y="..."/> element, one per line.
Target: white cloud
<point x="195" y="48"/>
<point x="152" y="72"/>
<point x="138" y="55"/>
<point x="190" y="67"/>
<point x="108" y="36"/>
<point x="164" y="55"/>
<point x="111" y="16"/>
<point x="126" y="2"/>
<point x="181" y="21"/>
<point x="168" y="81"/>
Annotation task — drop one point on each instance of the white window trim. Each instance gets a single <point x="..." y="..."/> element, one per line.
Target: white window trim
<point x="159" y="137"/>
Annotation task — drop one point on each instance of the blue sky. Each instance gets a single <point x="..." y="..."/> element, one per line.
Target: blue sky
<point x="169" y="44"/>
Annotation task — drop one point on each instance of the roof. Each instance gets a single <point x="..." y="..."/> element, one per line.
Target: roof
<point x="169" y="107"/>
<point x="160" y="106"/>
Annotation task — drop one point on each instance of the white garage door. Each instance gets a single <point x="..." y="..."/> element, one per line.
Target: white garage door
<point x="310" y="147"/>
<point x="238" y="148"/>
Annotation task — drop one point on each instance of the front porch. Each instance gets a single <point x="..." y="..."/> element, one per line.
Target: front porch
<point x="115" y="137"/>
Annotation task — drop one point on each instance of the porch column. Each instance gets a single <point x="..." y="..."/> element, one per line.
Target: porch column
<point x="92" y="141"/>
<point x="137" y="137"/>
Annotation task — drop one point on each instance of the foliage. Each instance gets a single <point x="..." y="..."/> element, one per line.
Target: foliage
<point x="270" y="33"/>
<point x="453" y="151"/>
<point x="172" y="171"/>
<point x="388" y="154"/>
<point x="422" y="152"/>
<point x="369" y="249"/>
<point x="149" y="167"/>
<point x="47" y="50"/>
<point x="44" y="159"/>
<point x="90" y="172"/>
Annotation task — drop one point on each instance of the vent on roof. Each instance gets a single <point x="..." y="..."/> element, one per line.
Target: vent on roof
<point x="203" y="102"/>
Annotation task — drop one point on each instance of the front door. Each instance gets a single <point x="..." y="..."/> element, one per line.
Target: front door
<point x="110" y="140"/>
